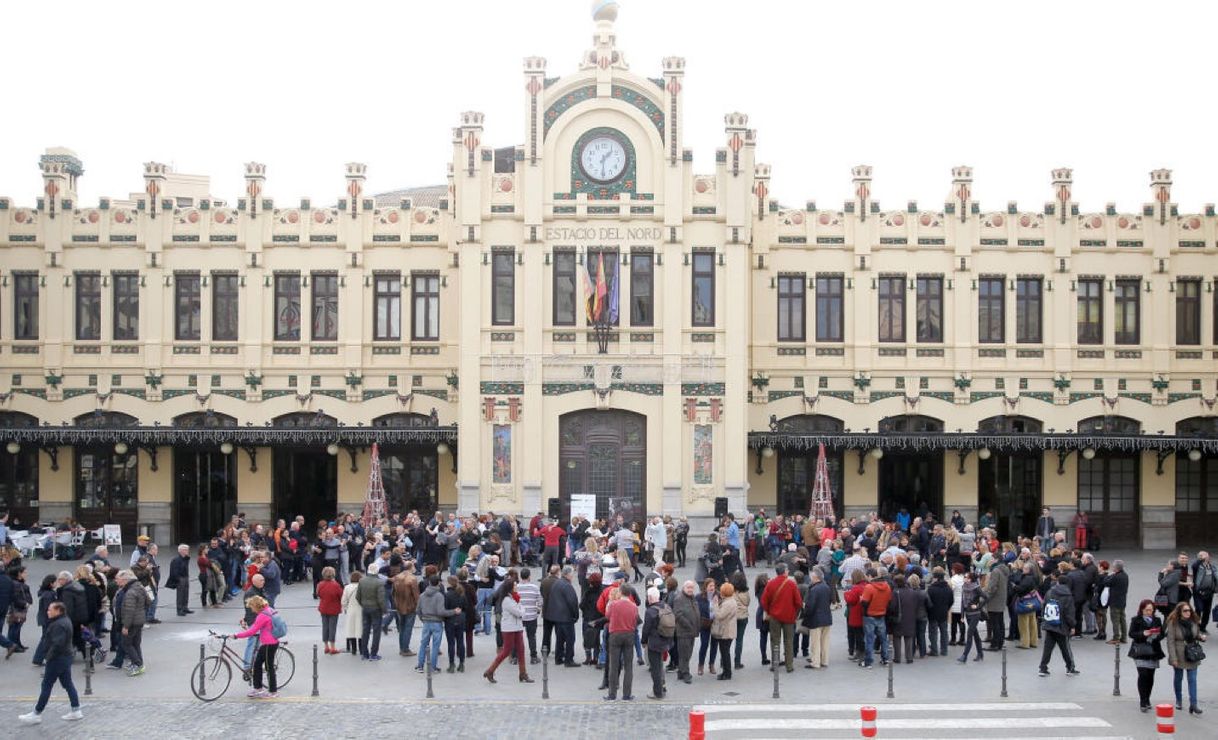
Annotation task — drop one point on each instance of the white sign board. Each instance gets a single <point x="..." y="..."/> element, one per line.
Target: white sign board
<point x="583" y="504"/>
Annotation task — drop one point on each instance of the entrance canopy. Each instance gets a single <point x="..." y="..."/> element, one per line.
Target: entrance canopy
<point x="248" y="436"/>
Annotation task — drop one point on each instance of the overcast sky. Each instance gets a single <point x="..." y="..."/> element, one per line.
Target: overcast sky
<point x="1112" y="89"/>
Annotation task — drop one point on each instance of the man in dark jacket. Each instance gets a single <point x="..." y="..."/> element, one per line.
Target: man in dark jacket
<point x="996" y="604"/>
<point x="656" y="643"/>
<point x="76" y="605"/>
<point x="179" y="579"/>
<point x="58" y="637"/>
<point x="939" y="592"/>
<point x="817" y="617"/>
<point x="546" y="584"/>
<point x="134" y="613"/>
<point x="689" y="624"/>
<point x="274" y="577"/>
<point x="561" y="609"/>
<point x="1058" y="621"/>
<point x="1077" y="580"/>
<point x="1205" y="582"/>
<point x="1118" y="594"/>
<point x="1046" y="528"/>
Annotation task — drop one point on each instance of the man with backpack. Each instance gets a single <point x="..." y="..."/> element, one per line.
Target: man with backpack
<point x="659" y="627"/>
<point x="1058" y="620"/>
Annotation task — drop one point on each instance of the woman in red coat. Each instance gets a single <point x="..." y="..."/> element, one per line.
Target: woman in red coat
<point x="329" y="605"/>
<point x="854" y="615"/>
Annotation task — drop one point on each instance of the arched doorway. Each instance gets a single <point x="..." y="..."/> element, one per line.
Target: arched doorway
<point x="18" y="473"/>
<point x="1109" y="487"/>
<point x="1196" y="486"/>
<point x="604" y="453"/>
<point x="797" y="468"/>
<point x="911" y="480"/>
<point x="107" y="481"/>
<point x="304" y="479"/>
<point x="410" y="472"/>
<point x="1009" y="483"/>
<point x="204" y="481"/>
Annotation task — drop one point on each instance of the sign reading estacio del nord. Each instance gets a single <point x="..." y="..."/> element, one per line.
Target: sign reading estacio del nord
<point x="601" y="234"/>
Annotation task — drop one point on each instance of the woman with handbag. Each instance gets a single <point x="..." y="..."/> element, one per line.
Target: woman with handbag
<point x="1027" y="606"/>
<point x="708" y="602"/>
<point x="759" y="618"/>
<point x="1184" y="652"/>
<point x="1146" y="632"/>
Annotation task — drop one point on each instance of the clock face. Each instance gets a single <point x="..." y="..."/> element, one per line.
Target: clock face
<point x="603" y="158"/>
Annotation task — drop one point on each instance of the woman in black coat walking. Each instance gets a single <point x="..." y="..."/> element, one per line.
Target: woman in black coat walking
<point x="1146" y="631"/>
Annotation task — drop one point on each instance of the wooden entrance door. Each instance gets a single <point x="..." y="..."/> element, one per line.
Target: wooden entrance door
<point x="604" y="453"/>
<point x="1108" y="492"/>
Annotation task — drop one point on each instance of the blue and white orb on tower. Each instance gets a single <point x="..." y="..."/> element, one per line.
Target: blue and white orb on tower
<point x="604" y="10"/>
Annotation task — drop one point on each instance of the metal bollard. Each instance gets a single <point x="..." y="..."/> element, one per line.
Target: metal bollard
<point x="88" y="670"/>
<point x="1116" y="670"/>
<point x="427" y="667"/>
<point x="1004" y="673"/>
<point x="890" y="662"/>
<point x="774" y="660"/>
<point x="315" y="692"/>
<point x="545" y="672"/>
<point x="202" y="670"/>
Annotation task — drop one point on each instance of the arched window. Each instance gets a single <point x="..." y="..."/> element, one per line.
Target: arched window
<point x="402" y="421"/>
<point x="105" y="420"/>
<point x="810" y="424"/>
<point x="910" y="424"/>
<point x="204" y="420"/>
<point x="1010" y="425"/>
<point x="304" y="420"/>
<point x="1109" y="425"/>
<point x="1198" y="426"/>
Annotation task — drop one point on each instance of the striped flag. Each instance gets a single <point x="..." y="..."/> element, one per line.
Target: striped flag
<point x="589" y="292"/>
<point x="614" y="296"/>
<point x="602" y="290"/>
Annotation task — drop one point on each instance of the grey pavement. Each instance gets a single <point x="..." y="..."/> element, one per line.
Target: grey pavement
<point x="353" y="695"/>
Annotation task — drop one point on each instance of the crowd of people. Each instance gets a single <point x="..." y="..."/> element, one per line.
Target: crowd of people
<point x="908" y="589"/>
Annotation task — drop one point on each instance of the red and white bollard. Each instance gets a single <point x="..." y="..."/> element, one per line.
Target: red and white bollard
<point x="1165" y="719"/>
<point x="868" y="716"/>
<point x="697" y="725"/>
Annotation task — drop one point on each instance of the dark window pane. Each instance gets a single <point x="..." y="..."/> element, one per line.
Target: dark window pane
<point x="564" y="289"/>
<point x="25" y="306"/>
<point x="829" y="308"/>
<point x="186" y="306"/>
<point x="1125" y="324"/>
<point x="88" y="305"/>
<point x="287" y="307"/>
<point x="503" y="288"/>
<point x="610" y="300"/>
<point x="791" y="308"/>
<point x="126" y="307"/>
<point x="930" y="309"/>
<point x="990" y="310"/>
<point x="1188" y="312"/>
<point x="426" y="307"/>
<point x="224" y="308"/>
<point x="1028" y="310"/>
<point x="1090" y="311"/>
<point x="703" y="290"/>
<point x="892" y="308"/>
<point x="642" y="285"/>
<point x="325" y="307"/>
<point x="387" y="307"/>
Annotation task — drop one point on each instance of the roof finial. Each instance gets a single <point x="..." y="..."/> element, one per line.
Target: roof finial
<point x="604" y="10"/>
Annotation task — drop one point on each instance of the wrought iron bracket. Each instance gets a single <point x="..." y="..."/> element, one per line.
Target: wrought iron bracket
<point x="1160" y="456"/>
<point x="963" y="455"/>
<point x="151" y="450"/>
<point x="351" y="450"/>
<point x="253" y="453"/>
<point x="1062" y="454"/>
<point x="759" y="456"/>
<point x="53" y="453"/>
<point x="862" y="460"/>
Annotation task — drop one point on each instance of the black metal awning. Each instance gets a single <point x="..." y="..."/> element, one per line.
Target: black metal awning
<point x="249" y="436"/>
<point x="1007" y="442"/>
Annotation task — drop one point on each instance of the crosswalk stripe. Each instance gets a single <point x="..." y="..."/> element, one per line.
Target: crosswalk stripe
<point x="825" y="708"/>
<point x="1011" y="737"/>
<point x="903" y="723"/>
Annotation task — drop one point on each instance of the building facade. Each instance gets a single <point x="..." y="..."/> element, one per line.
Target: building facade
<point x="583" y="314"/>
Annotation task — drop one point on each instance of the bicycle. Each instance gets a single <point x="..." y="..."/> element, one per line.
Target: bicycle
<point x="212" y="675"/>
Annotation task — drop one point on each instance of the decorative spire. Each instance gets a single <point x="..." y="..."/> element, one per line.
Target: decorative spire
<point x="255" y="178"/>
<point x="862" y="188"/>
<point x="603" y="55"/>
<point x="154" y="181"/>
<point x="962" y="189"/>
<point x="1063" y="180"/>
<point x="1160" y="187"/>
<point x="356" y="172"/>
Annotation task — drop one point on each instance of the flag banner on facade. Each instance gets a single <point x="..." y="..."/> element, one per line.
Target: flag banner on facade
<point x="589" y="291"/>
<point x="602" y="290"/>
<point x="822" y="494"/>
<point x="613" y="296"/>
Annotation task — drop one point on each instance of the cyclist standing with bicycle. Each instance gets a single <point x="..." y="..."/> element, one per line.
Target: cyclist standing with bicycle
<point x="267" y="646"/>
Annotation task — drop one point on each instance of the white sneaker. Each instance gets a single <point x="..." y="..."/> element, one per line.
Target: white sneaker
<point x="73" y="716"/>
<point x="32" y="718"/>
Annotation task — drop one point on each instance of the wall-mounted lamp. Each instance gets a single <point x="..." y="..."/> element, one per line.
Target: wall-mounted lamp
<point x="226" y="448"/>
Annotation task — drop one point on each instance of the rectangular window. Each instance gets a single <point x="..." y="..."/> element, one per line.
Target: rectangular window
<point x="703" y="290"/>
<point x="224" y="307"/>
<point x="287" y="307"/>
<point x="325" y="307"/>
<point x="609" y="301"/>
<point x="830" y="324"/>
<point x="930" y="309"/>
<point x="25" y="305"/>
<point x="642" y="289"/>
<point x="1125" y="323"/>
<point x="387" y="305"/>
<point x="1090" y="311"/>
<point x="564" y="288"/>
<point x="126" y="306"/>
<point x="186" y="306"/>
<point x="1029" y="310"/>
<point x="791" y="308"/>
<point x="88" y="305"/>
<point x="892" y="308"/>
<point x="426" y="307"/>
<point x="1188" y="311"/>
<point x="991" y="310"/>
<point x="503" y="288"/>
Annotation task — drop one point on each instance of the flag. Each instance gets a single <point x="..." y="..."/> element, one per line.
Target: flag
<point x="613" y="297"/>
<point x="601" y="289"/>
<point x="588" y="293"/>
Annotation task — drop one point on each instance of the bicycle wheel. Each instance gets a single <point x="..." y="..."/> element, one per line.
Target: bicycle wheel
<point x="210" y="678"/>
<point x="285" y="666"/>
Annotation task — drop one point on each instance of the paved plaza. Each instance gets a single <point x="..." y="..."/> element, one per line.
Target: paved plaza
<point x="933" y="697"/>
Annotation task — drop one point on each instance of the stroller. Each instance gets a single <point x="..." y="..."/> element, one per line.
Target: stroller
<point x="528" y="553"/>
<point x="92" y="640"/>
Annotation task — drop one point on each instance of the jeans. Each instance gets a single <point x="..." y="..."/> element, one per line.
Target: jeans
<point x="430" y="641"/>
<point x="742" y="626"/>
<point x="484" y="608"/>
<point x="453" y="556"/>
<point x="938" y="637"/>
<point x="655" y="664"/>
<point x="1203" y="606"/>
<point x="454" y="633"/>
<point x="150" y="613"/>
<point x="564" y="642"/>
<point x="329" y="628"/>
<point x="57" y="669"/>
<point x="725" y="655"/>
<point x="405" y="624"/>
<point x="530" y="631"/>
<point x="874" y="627"/>
<point x="972" y="636"/>
<point x="619" y="661"/>
<point x="705" y="641"/>
<point x="1192" y="685"/>
<point x="371" y="629"/>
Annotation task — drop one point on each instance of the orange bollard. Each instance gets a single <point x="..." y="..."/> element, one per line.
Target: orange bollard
<point x="1165" y="719"/>
<point x="868" y="715"/>
<point x="697" y="725"/>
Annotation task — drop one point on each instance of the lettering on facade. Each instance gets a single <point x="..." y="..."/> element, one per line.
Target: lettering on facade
<point x="603" y="234"/>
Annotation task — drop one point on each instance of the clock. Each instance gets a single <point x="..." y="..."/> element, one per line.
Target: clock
<point x="603" y="158"/>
